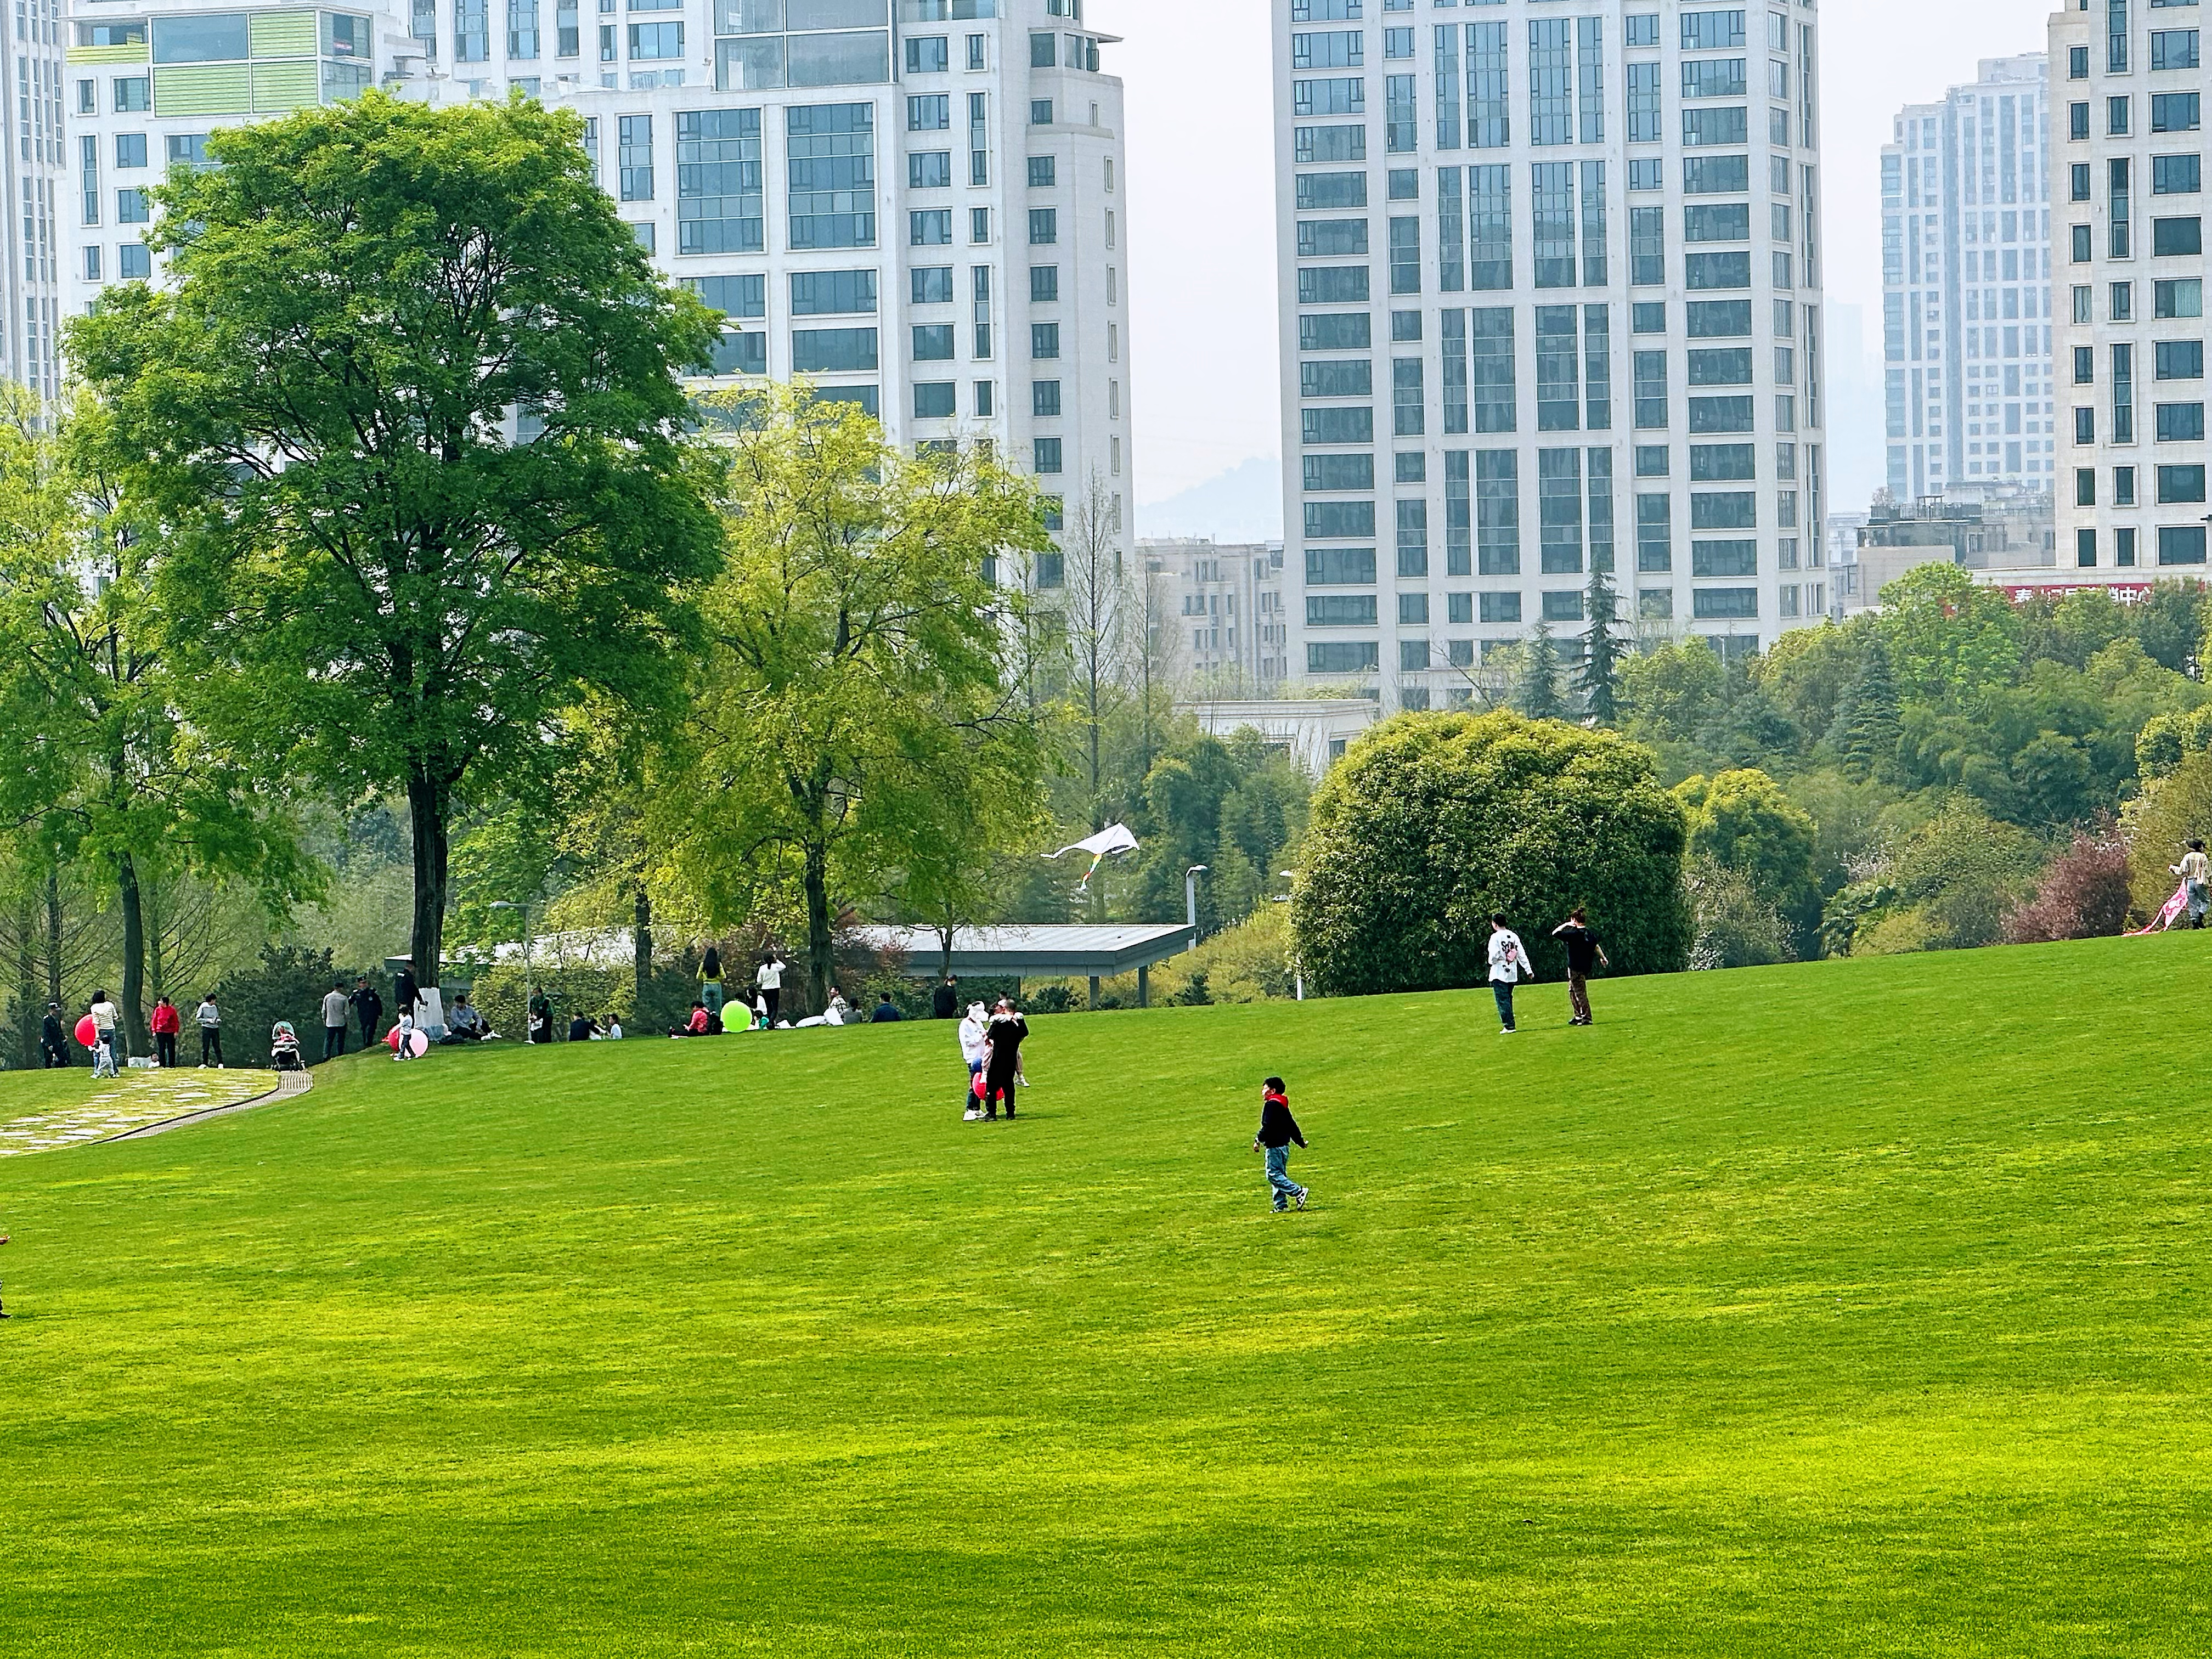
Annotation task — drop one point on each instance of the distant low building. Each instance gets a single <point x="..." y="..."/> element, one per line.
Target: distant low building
<point x="1315" y="732"/>
<point x="1222" y="602"/>
<point x="1993" y="530"/>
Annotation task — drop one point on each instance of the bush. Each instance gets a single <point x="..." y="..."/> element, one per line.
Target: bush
<point x="2084" y="895"/>
<point x="2160" y="823"/>
<point x="1434" y="821"/>
<point x="1743" y="821"/>
<point x="1192" y="994"/>
<point x="1965" y="873"/>
<point x="1736" y="927"/>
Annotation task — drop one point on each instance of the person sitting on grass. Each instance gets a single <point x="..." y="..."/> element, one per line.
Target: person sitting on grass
<point x="886" y="1011"/>
<point x="1278" y="1129"/>
<point x="836" y="1013"/>
<point x="466" y="1024"/>
<point x="583" y="1028"/>
<point x="611" y="1031"/>
<point x="697" y="1025"/>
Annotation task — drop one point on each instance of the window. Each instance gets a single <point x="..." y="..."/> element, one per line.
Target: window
<point x="1044" y="227"/>
<point x="1046" y="454"/>
<point x="134" y="262"/>
<point x="2078" y="185"/>
<point x="929" y="169"/>
<point x="134" y="94"/>
<point x="2182" y="297"/>
<point x="833" y="351"/>
<point x="832" y="292"/>
<point x="936" y="400"/>
<point x="131" y="207"/>
<point x="929" y="228"/>
<point x="1044" y="341"/>
<point x="1044" y="399"/>
<point x="130" y="149"/>
<point x="651" y="41"/>
<point x="1044" y="172"/>
<point x="2181" y="423"/>
<point x="2180" y="360"/>
<point x="1352" y="657"/>
<point x="2173" y="49"/>
<point x="2077" y="120"/>
<point x="2174" y="238"/>
<point x="928" y="54"/>
<point x="2181" y="544"/>
<point x="1725" y="605"/>
<point x="733" y="297"/>
<point x="1044" y="285"/>
<point x="831" y="169"/>
<point x="931" y="285"/>
<point x="929" y="113"/>
<point x="2177" y="175"/>
<point x="2180" y="485"/>
<point x="633" y="158"/>
<point x="2175" y="111"/>
<point x="720" y="206"/>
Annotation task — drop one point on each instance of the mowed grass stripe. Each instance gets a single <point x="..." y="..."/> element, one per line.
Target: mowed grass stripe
<point x="1850" y="1308"/>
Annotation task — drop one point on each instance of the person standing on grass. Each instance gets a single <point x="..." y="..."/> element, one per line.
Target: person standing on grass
<point x="974" y="1048"/>
<point x="2195" y="872"/>
<point x="710" y="981"/>
<point x="165" y="1022"/>
<point x="769" y="982"/>
<point x="104" y="1016"/>
<point x="53" y="1042"/>
<point x="538" y="1018"/>
<point x="405" y="992"/>
<point x="208" y="1019"/>
<point x="1509" y="965"/>
<point x="368" y="1010"/>
<point x="1003" y="1063"/>
<point x="335" y="1007"/>
<point x="944" y="1001"/>
<point x="1584" y="956"/>
<point x="1278" y="1130"/>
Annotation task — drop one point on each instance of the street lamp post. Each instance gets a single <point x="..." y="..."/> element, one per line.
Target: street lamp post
<point x="1190" y="896"/>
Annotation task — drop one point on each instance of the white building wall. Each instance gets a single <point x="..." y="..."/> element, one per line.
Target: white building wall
<point x="36" y="192"/>
<point x="1680" y="120"/>
<point x="1966" y="294"/>
<point x="2127" y="236"/>
<point x="1047" y="196"/>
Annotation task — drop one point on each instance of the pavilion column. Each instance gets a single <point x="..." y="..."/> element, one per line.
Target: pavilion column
<point x="1094" y="992"/>
<point x="1144" y="987"/>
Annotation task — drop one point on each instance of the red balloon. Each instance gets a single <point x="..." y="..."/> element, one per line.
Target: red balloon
<point x="86" y="1032"/>
<point x="391" y="1041"/>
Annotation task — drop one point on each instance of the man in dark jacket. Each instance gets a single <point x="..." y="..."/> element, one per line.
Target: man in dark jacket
<point x="368" y="1009"/>
<point x="405" y="992"/>
<point x="1278" y="1129"/>
<point x="944" y="1001"/>
<point x="53" y="1042"/>
<point x="1005" y="1034"/>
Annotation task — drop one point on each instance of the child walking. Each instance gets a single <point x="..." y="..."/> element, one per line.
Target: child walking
<point x="1278" y="1129"/>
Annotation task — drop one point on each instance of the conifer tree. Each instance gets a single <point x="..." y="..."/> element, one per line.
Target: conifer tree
<point x="1538" y="696"/>
<point x="1599" y="679"/>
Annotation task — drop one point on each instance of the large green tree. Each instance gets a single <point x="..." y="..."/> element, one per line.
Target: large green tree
<point x="1434" y="821"/>
<point x="409" y="407"/>
<point x="861" y="697"/>
<point x="1743" y="821"/>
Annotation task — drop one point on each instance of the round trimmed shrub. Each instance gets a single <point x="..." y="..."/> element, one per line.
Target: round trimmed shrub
<point x="1433" y="821"/>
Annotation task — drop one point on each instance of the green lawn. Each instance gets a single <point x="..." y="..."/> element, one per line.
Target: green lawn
<point x="1854" y="1309"/>
<point x="68" y="1106"/>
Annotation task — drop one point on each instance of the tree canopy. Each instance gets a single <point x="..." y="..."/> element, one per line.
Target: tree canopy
<point x="409" y="413"/>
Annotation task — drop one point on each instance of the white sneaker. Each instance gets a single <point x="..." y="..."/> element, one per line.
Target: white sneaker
<point x="971" y="1117"/>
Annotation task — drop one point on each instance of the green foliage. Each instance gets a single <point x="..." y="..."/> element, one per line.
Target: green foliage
<point x="1435" y="820"/>
<point x="289" y="982"/>
<point x="860" y="711"/>
<point x="1598" y="680"/>
<point x="1670" y="693"/>
<point x="385" y="591"/>
<point x="1538" y="695"/>
<point x="1867" y="726"/>
<point x="1734" y="927"/>
<point x="2172" y="811"/>
<point x="1743" y="821"/>
<point x="1946" y="636"/>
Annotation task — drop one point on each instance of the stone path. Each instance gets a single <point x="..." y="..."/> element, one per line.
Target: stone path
<point x="288" y="1084"/>
<point x="143" y="1102"/>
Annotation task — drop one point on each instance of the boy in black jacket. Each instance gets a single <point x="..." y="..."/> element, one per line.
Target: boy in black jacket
<point x="1278" y="1129"/>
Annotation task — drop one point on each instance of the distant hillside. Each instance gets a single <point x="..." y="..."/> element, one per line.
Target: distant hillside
<point x="1244" y="504"/>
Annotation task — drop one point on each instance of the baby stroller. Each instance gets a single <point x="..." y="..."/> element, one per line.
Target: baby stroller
<point x="285" y="1046"/>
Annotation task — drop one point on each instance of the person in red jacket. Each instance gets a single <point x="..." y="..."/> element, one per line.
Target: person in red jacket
<point x="166" y="1023"/>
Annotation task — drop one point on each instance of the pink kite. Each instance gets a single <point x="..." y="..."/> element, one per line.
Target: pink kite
<point x="2169" y="916"/>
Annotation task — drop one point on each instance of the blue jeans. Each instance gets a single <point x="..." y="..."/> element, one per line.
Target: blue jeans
<point x="1279" y="1177"/>
<point x="970" y="1100"/>
<point x="710" y="993"/>
<point x="1504" y="992"/>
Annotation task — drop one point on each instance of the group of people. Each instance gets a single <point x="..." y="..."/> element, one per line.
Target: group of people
<point x="1510" y="965"/>
<point x="991" y="1048"/>
<point x="166" y="1023"/>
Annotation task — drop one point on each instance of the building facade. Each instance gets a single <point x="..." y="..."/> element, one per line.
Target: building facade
<point x="918" y="206"/>
<point x="1966" y="323"/>
<point x="1551" y="302"/>
<point x="2127" y="221"/>
<point x="37" y="193"/>
<point x="1221" y="604"/>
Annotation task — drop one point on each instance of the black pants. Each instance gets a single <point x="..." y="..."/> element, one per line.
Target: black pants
<point x="368" y="1035"/>
<point x="774" y="1000"/>
<point x="53" y="1057"/>
<point x="164" y="1047"/>
<point x="996" y="1083"/>
<point x="211" y="1045"/>
<point x="333" y="1040"/>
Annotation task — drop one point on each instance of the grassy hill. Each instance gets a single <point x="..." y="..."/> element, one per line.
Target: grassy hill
<point x="1857" y="1308"/>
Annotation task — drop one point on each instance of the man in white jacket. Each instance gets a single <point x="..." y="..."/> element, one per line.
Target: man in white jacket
<point x="1509" y="965"/>
<point x="975" y="1033"/>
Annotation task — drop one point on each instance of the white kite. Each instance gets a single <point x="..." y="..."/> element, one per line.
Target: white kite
<point x="1114" y="838"/>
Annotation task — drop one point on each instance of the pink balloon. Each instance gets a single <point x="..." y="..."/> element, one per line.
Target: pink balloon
<point x="419" y="1045"/>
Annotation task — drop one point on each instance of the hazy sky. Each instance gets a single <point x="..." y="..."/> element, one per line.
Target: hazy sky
<point x="1202" y="201"/>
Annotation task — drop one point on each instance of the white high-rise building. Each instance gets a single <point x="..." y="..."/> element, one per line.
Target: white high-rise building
<point x="1551" y="298"/>
<point x="2127" y="209"/>
<point x="922" y="212"/>
<point x="31" y="107"/>
<point x="1966" y="244"/>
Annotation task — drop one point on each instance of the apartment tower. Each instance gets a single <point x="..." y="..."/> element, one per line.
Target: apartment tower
<point x="1550" y="300"/>
<point x="1966" y="295"/>
<point x="2127" y="218"/>
<point x="919" y="205"/>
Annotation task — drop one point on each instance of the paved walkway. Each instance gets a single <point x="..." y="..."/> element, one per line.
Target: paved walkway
<point x="288" y="1084"/>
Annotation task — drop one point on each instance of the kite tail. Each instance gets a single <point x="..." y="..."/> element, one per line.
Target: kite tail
<point x="2169" y="916"/>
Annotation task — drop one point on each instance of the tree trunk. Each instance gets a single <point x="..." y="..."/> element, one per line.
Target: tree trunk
<point x="157" y="976"/>
<point x="641" y="943"/>
<point x="134" y="956"/>
<point x="428" y="799"/>
<point x="820" y="958"/>
<point x="54" y="935"/>
<point x="26" y="984"/>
